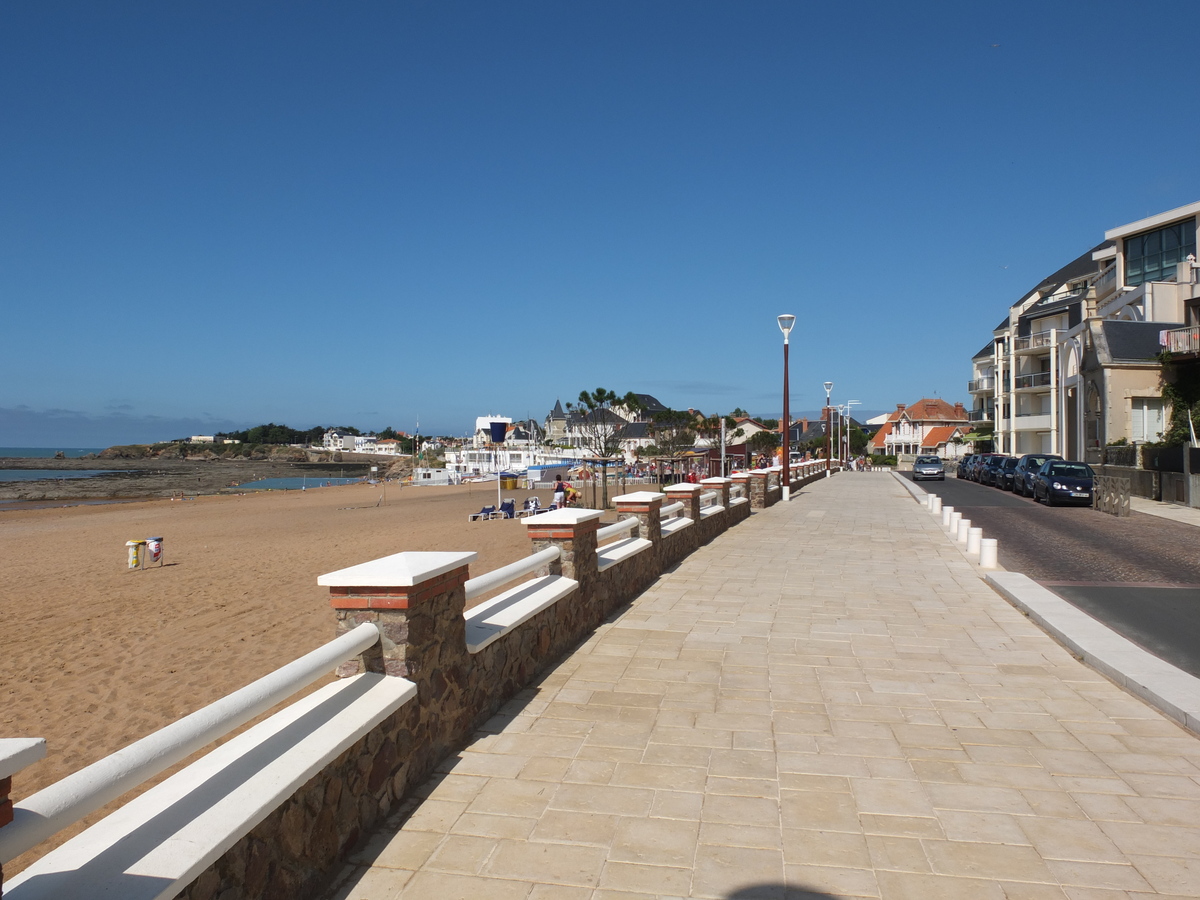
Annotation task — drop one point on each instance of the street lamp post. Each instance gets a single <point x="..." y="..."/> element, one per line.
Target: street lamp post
<point x="785" y="325"/>
<point x="828" y="428"/>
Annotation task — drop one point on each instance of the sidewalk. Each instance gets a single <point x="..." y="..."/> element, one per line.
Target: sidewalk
<point x="827" y="701"/>
<point x="1183" y="514"/>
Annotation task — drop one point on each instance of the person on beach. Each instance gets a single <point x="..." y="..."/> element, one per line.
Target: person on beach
<point x="560" y="494"/>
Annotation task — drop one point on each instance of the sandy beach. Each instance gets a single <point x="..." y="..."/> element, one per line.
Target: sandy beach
<point x="94" y="656"/>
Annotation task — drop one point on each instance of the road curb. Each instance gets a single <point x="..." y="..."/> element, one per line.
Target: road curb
<point x="1171" y="690"/>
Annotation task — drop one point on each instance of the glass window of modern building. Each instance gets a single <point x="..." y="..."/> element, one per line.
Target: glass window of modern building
<point x="1152" y="255"/>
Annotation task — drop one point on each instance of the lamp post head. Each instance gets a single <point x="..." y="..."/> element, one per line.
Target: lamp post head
<point x="828" y="388"/>
<point x="785" y="325"/>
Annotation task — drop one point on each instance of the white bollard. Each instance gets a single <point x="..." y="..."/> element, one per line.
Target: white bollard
<point x="947" y="512"/>
<point x="937" y="505"/>
<point x="974" y="536"/>
<point x="955" y="518"/>
<point x="929" y="498"/>
<point x="988" y="554"/>
<point x="964" y="529"/>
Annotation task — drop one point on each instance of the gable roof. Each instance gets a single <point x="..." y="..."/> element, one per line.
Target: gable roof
<point x="1076" y="268"/>
<point x="877" y="440"/>
<point x="940" y="435"/>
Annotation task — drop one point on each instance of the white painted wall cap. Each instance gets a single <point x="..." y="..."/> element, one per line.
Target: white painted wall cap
<point x="398" y="570"/>
<point x="717" y="480"/>
<point x="17" y="753"/>
<point x="563" y="517"/>
<point x="681" y="488"/>
<point x="640" y="497"/>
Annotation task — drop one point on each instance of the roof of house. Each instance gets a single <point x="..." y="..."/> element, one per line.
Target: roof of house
<point x="940" y="435"/>
<point x="1076" y="268"/>
<point x="988" y="349"/>
<point x="557" y="412"/>
<point x="877" y="440"/>
<point x="649" y="404"/>
<point x="1134" y="341"/>
<point x="635" y="431"/>
<point x="930" y="408"/>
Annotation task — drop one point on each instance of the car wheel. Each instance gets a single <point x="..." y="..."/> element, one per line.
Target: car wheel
<point x="1049" y="499"/>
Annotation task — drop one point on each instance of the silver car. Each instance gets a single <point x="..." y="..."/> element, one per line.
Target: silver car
<point x="929" y="467"/>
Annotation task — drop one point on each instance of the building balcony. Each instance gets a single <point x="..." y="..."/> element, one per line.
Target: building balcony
<point x="982" y="385"/>
<point x="981" y="415"/>
<point x="1031" y="422"/>
<point x="1032" y="342"/>
<point x="1181" y="341"/>
<point x="1035" y="380"/>
<point x="1106" y="282"/>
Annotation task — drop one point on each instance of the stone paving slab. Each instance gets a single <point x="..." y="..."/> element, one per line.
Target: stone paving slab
<point x="827" y="701"/>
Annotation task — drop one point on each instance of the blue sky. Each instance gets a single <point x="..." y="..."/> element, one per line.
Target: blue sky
<point x="217" y="214"/>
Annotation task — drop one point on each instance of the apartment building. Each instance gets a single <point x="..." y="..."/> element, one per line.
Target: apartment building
<point x="1074" y="365"/>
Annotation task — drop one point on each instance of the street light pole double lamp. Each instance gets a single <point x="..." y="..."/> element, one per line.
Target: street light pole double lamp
<point x="785" y="325"/>
<point x="828" y="427"/>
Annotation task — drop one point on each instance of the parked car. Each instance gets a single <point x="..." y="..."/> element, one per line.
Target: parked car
<point x="987" y="473"/>
<point x="1064" y="481"/>
<point x="964" y="465"/>
<point x="1027" y="467"/>
<point x="1003" y="478"/>
<point x="977" y="465"/>
<point x="928" y="467"/>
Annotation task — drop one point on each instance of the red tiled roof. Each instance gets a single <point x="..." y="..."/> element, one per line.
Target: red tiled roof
<point x="877" y="441"/>
<point x="940" y="435"/>
<point x="935" y="408"/>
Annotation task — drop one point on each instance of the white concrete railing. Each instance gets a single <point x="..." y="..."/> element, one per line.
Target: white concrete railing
<point x="624" y="526"/>
<point x="671" y="510"/>
<point x="737" y="491"/>
<point x="65" y="802"/>
<point x="475" y="587"/>
<point x="709" y="498"/>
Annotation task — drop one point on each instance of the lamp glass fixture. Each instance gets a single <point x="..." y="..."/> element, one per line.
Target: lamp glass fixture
<point x="785" y="324"/>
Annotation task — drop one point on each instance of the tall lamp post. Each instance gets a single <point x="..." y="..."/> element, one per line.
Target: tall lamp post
<point x="828" y="427"/>
<point x="785" y="325"/>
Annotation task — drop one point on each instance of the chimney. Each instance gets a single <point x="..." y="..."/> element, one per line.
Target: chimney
<point x="804" y="425"/>
<point x="900" y="407"/>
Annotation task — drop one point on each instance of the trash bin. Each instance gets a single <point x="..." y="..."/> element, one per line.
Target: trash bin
<point x="135" y="553"/>
<point x="154" y="550"/>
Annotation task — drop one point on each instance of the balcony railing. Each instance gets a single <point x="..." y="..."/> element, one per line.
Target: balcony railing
<point x="982" y="384"/>
<point x="1180" y="340"/>
<point x="1037" y="379"/>
<point x="981" y="415"/>
<point x="1106" y="281"/>
<point x="1031" y="341"/>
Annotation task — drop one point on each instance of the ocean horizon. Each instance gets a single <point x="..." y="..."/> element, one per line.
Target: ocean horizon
<point x="46" y="452"/>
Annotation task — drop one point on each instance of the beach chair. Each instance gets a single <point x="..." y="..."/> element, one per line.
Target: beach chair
<point x="488" y="512"/>
<point x="531" y="507"/>
<point x="508" y="509"/>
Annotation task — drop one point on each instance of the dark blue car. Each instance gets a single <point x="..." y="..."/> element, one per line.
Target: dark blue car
<point x="1063" y="481"/>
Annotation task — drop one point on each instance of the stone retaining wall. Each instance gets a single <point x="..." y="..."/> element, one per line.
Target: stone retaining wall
<point x="420" y="616"/>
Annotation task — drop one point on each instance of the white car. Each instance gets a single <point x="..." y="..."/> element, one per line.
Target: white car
<point x="929" y="467"/>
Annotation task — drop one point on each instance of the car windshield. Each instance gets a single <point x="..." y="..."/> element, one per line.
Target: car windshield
<point x="1071" y="470"/>
<point x="1011" y="463"/>
<point x="928" y="460"/>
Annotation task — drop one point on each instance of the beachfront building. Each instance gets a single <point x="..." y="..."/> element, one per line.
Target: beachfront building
<point x="1074" y="366"/>
<point x="930" y="426"/>
<point x="521" y="448"/>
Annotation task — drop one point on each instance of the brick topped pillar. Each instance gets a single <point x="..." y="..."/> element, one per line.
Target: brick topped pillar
<point x="743" y="478"/>
<point x="416" y="600"/>
<point x="688" y="495"/>
<point x="15" y="755"/>
<point x="758" y="488"/>
<point x="645" y="506"/>
<point x="573" y="531"/>
<point x="721" y="486"/>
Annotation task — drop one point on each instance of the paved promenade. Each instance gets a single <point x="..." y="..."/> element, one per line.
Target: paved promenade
<point x="825" y="702"/>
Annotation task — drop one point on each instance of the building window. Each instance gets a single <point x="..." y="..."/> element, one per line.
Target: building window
<point x="1147" y="420"/>
<point x="1152" y="256"/>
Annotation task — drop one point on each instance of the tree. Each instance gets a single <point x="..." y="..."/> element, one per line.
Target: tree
<point x="763" y="442"/>
<point x="674" y="431"/>
<point x="710" y="428"/>
<point x="599" y="427"/>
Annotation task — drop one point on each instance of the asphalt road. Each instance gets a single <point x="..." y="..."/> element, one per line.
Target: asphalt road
<point x="1139" y="575"/>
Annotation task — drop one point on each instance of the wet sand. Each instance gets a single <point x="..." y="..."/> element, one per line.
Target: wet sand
<point x="94" y="656"/>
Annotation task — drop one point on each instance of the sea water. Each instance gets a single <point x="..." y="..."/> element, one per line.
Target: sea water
<point x="46" y="452"/>
<point x="291" y="484"/>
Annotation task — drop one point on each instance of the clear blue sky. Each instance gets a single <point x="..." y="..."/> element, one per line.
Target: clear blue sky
<point x="222" y="213"/>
